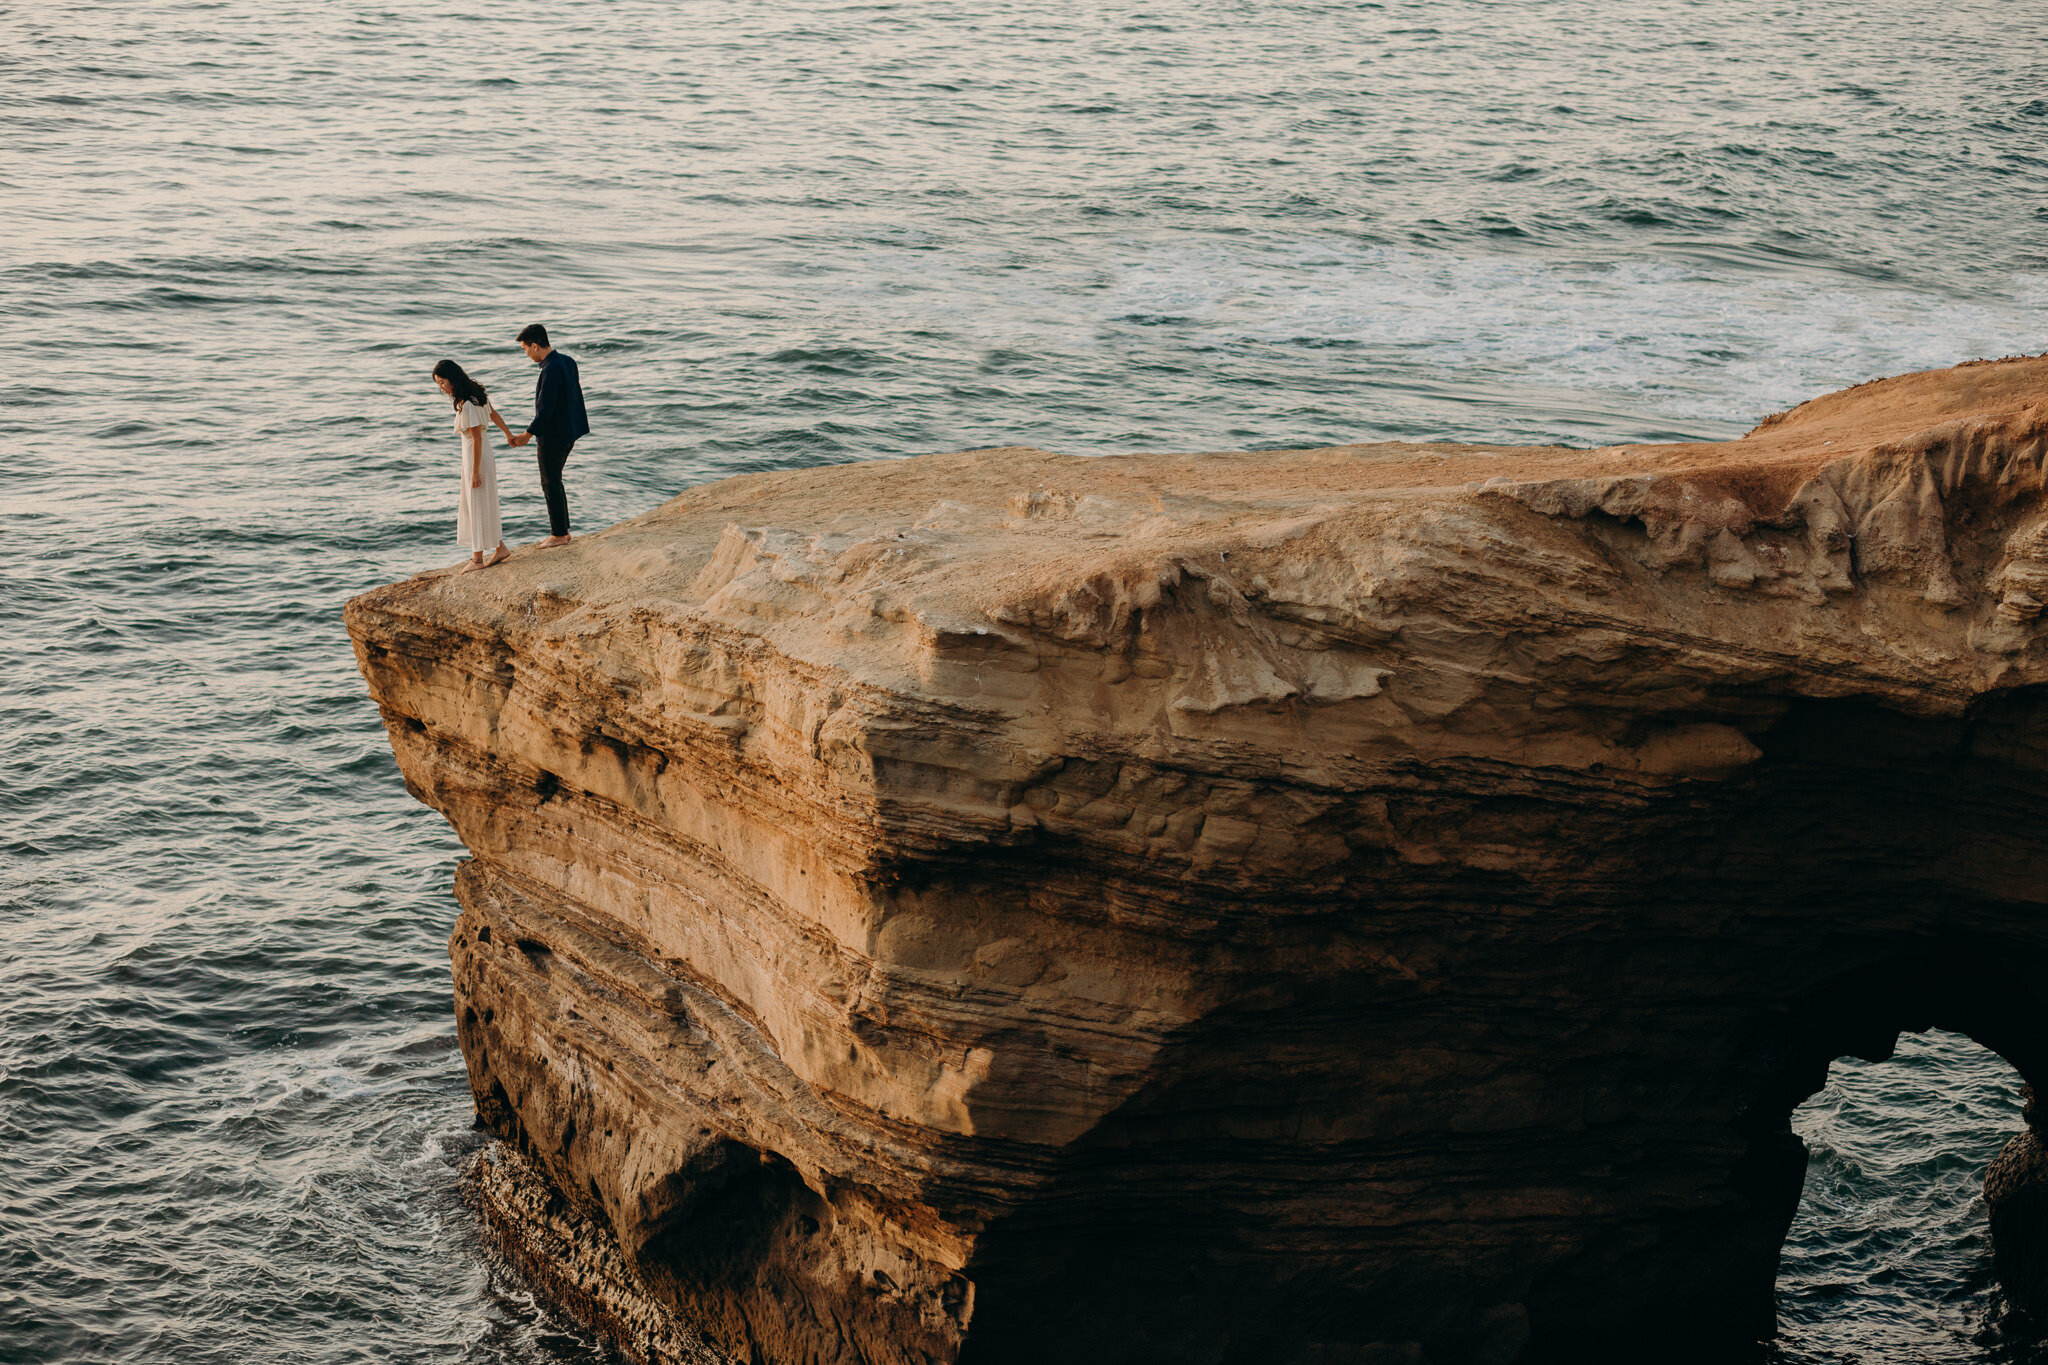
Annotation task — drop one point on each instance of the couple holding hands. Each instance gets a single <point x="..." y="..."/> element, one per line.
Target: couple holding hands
<point x="558" y="420"/>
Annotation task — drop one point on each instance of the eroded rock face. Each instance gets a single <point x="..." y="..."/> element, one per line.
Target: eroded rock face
<point x="2016" y="1199"/>
<point x="1367" y="904"/>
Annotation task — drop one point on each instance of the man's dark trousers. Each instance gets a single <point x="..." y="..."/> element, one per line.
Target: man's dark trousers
<point x="553" y="455"/>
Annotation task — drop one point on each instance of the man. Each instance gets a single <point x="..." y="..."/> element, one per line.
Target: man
<point x="558" y="420"/>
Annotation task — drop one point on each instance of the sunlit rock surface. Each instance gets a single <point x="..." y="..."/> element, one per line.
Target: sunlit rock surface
<point x="1377" y="903"/>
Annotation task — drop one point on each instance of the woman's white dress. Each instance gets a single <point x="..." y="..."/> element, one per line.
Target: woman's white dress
<point x="477" y="528"/>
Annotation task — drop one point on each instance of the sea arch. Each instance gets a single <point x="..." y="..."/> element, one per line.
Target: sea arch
<point x="1565" y="1133"/>
<point x="1889" y="1254"/>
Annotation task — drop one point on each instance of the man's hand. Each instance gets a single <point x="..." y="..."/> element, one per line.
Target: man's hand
<point x="522" y="438"/>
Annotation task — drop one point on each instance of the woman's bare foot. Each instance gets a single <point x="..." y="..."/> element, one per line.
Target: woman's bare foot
<point x="498" y="556"/>
<point x="553" y="540"/>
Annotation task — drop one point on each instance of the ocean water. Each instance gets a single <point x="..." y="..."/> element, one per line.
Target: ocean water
<point x="237" y="235"/>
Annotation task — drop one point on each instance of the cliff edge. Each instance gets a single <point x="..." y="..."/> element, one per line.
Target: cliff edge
<point x="1378" y="903"/>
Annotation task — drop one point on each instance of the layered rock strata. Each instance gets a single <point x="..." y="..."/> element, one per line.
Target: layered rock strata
<point x="1377" y="903"/>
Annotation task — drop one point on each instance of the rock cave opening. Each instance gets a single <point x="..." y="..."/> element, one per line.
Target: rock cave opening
<point x="1889" y="1255"/>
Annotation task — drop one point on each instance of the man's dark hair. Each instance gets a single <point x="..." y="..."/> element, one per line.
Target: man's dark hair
<point x="534" y="333"/>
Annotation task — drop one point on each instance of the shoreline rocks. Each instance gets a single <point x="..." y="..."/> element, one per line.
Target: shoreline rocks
<point x="1377" y="903"/>
<point x="574" y="1262"/>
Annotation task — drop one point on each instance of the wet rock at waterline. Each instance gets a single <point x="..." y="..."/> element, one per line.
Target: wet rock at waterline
<point x="2016" y="1200"/>
<point x="1379" y="902"/>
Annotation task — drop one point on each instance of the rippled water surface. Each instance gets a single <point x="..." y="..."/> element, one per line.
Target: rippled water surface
<point x="237" y="235"/>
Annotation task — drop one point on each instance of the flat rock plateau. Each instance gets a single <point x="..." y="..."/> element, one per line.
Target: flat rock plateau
<point x="1369" y="904"/>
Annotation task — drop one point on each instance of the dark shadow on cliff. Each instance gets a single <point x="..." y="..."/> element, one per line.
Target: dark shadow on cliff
<point x="1606" y="1060"/>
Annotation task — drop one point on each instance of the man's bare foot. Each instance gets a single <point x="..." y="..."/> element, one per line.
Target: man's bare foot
<point x="553" y="540"/>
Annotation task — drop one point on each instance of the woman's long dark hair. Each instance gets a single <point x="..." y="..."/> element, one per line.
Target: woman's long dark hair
<point x="467" y="390"/>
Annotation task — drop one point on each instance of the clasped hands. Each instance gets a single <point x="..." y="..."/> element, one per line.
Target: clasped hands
<point x="522" y="438"/>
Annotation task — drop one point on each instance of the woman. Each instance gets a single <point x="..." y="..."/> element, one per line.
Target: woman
<point x="477" y="528"/>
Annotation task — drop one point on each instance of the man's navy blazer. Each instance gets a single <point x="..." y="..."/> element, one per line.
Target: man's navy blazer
<point x="558" y="401"/>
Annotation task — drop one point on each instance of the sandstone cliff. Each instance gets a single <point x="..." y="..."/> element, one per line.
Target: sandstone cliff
<point x="1366" y="904"/>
